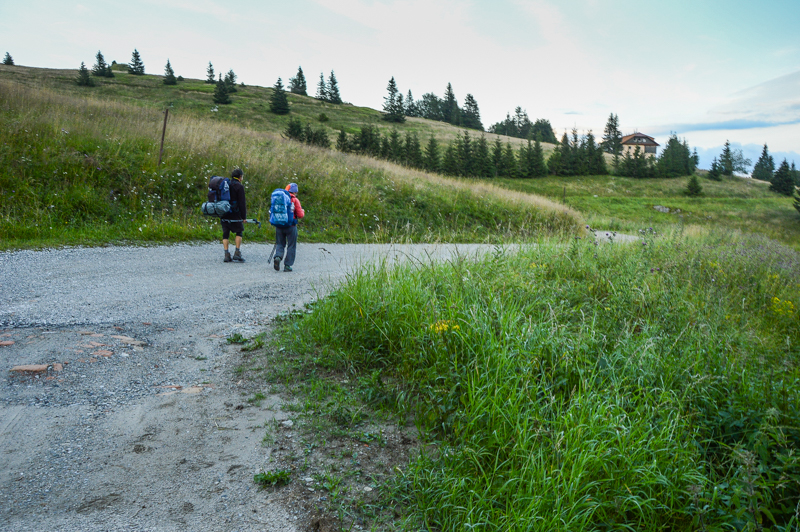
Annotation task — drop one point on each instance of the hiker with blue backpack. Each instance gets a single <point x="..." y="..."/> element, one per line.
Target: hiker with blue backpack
<point x="284" y="212"/>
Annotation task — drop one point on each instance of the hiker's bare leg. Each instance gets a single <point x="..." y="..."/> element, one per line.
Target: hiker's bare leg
<point x="238" y="242"/>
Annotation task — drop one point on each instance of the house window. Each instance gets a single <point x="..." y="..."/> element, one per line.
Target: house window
<point x="650" y="149"/>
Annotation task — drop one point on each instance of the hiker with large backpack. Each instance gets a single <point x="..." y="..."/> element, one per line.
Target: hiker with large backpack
<point x="233" y="221"/>
<point x="284" y="212"/>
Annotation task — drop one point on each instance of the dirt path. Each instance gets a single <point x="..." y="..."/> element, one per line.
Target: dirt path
<point x="138" y="420"/>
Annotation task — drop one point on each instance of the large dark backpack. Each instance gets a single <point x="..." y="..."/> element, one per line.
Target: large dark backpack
<point x="219" y="197"/>
<point x="281" y="209"/>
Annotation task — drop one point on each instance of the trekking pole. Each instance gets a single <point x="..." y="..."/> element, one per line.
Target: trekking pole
<point x="274" y="247"/>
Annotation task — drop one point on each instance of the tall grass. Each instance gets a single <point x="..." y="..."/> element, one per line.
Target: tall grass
<point x="651" y="386"/>
<point x="84" y="169"/>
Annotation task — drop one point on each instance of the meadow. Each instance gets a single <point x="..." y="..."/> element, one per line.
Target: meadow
<point x="569" y="386"/>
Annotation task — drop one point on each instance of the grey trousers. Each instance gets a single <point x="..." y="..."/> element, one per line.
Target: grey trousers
<point x="286" y="238"/>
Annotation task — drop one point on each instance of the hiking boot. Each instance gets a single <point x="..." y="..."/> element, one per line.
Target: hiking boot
<point x="287" y="268"/>
<point x="227" y="257"/>
<point x="237" y="256"/>
<point x="277" y="264"/>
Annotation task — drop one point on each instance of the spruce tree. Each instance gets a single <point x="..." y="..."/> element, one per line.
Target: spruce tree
<point x="715" y="174"/>
<point x="411" y="107"/>
<point x="566" y="162"/>
<point x="510" y="165"/>
<point x="322" y="89"/>
<point x="278" y="103"/>
<point x="8" y="60"/>
<point x="525" y="158"/>
<point x="221" y="95"/>
<point x="297" y="84"/>
<point x="539" y="167"/>
<point x="782" y="180"/>
<point x="294" y="129"/>
<point x="84" y="78"/>
<point x="482" y="158"/>
<point x="450" y="164"/>
<point x="136" y="66"/>
<point x="230" y="82"/>
<point x="100" y="66"/>
<point x="395" y="147"/>
<point x="765" y="166"/>
<point x="392" y="106"/>
<point x="450" y="106"/>
<point x="797" y="199"/>
<point x="612" y="137"/>
<point x="414" y="155"/>
<point x="471" y="115"/>
<point x="432" y="155"/>
<point x="693" y="188"/>
<point x="726" y="159"/>
<point x="497" y="157"/>
<point x="542" y="130"/>
<point x="342" y="142"/>
<point x="333" y="90"/>
<point x="210" y="77"/>
<point x="169" y="75"/>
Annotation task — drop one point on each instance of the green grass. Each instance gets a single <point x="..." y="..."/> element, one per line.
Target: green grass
<point x="81" y="169"/>
<point x="625" y="204"/>
<point x="644" y="387"/>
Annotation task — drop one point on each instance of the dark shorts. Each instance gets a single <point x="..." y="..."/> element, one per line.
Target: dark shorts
<point x="236" y="228"/>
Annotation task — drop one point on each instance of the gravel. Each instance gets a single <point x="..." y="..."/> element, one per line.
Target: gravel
<point x="139" y="421"/>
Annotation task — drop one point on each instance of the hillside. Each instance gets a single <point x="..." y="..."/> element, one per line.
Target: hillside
<point x="80" y="166"/>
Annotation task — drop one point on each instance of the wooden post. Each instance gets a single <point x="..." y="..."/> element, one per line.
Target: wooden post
<point x="163" y="133"/>
<point x="563" y="198"/>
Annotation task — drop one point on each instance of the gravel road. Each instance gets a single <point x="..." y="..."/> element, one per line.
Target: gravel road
<point x="134" y="418"/>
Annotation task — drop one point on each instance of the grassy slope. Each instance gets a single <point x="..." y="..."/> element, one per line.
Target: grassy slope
<point x="79" y="166"/>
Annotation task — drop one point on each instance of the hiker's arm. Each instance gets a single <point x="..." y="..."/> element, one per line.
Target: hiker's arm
<point x="298" y="209"/>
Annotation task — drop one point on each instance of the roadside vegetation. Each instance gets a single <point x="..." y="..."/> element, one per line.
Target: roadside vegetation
<point x="647" y="386"/>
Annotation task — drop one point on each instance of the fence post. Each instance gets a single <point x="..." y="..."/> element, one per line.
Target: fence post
<point x="163" y="133"/>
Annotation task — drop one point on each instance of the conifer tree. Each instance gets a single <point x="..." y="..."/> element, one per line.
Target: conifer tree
<point x="795" y="174"/>
<point x="8" y="60"/>
<point x="612" y="137"/>
<point x="84" y="79"/>
<point x="395" y="146"/>
<point x="333" y="90"/>
<point x="100" y="66"/>
<point x="210" y="77"/>
<point x="693" y="187"/>
<point x="414" y="153"/>
<point x="450" y="106"/>
<point x="342" y="142"/>
<point x="230" y="82"/>
<point x="432" y="155"/>
<point x="297" y="84"/>
<point x="539" y="167"/>
<point x="411" y="107"/>
<point x="565" y="163"/>
<point x="221" y="95"/>
<point x="464" y="154"/>
<point x="765" y="166"/>
<point x="726" y="159"/>
<point x="797" y="199"/>
<point x="497" y="157"/>
<point x="430" y="107"/>
<point x="322" y="89"/>
<point x="392" y="106"/>
<point x="525" y="159"/>
<point x="169" y="75"/>
<point x="482" y="158"/>
<point x="294" y="129"/>
<point x="136" y="66"/>
<point x="510" y="164"/>
<point x="471" y="115"/>
<point x="450" y="164"/>
<point x="278" y="103"/>
<point x="782" y="180"/>
<point x="542" y="130"/>
<point x="715" y="173"/>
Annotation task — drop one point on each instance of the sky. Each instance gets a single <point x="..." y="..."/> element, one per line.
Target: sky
<point x="705" y="70"/>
